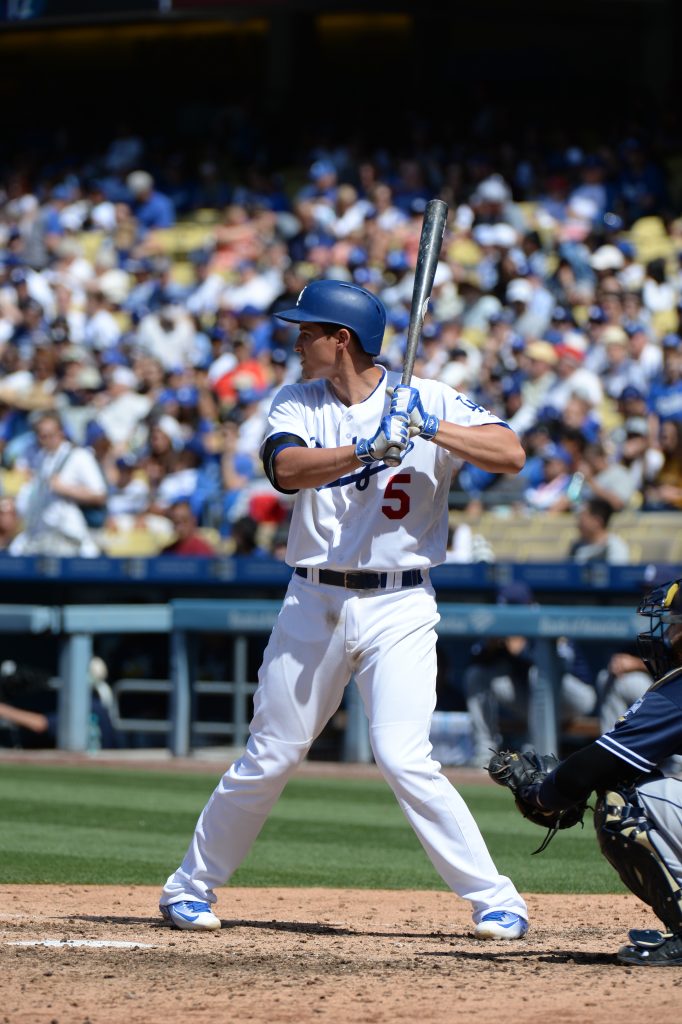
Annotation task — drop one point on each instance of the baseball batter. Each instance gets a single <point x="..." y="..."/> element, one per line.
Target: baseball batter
<point x="362" y="540"/>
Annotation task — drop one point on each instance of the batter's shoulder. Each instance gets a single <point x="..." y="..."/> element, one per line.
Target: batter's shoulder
<point x="306" y="392"/>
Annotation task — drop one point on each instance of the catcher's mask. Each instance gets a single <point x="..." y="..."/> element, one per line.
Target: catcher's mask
<point x="661" y="647"/>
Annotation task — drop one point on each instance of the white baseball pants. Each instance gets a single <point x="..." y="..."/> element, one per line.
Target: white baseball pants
<point x="323" y="635"/>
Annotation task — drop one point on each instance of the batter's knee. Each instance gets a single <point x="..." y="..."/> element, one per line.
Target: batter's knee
<point x="625" y="837"/>
<point x="408" y="768"/>
<point x="262" y="771"/>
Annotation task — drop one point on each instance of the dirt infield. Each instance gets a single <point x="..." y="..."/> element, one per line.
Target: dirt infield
<point x="319" y="955"/>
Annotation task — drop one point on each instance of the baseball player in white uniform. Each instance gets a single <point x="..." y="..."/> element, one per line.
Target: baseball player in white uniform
<point x="362" y="540"/>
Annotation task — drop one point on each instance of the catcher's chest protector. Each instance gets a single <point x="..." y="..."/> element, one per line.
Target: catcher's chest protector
<point x="625" y="837"/>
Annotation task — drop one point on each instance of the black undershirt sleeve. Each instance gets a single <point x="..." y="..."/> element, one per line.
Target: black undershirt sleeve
<point x="275" y="444"/>
<point x="592" y="768"/>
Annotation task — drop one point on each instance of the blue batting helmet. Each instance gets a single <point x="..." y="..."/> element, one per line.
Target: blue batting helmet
<point x="337" y="302"/>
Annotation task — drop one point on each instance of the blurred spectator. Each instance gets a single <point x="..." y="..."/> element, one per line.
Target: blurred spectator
<point x="604" y="477"/>
<point x="539" y="360"/>
<point x="9" y="521"/>
<point x="245" y="538"/>
<point x="498" y="682"/>
<point x="663" y="487"/>
<point x="188" y="541"/>
<point x="65" y="484"/>
<point x="151" y="208"/>
<point x="619" y="685"/>
<point x="596" y="543"/>
<point x="665" y="394"/>
<point x="546" y="495"/>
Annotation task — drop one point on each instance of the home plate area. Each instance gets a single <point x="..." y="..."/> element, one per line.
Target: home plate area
<point x="103" y="955"/>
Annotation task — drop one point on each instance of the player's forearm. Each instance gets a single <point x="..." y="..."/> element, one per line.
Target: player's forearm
<point x="31" y="720"/>
<point x="298" y="468"/>
<point x="494" y="448"/>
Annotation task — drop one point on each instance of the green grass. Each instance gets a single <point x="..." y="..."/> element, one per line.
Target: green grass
<point x="97" y="825"/>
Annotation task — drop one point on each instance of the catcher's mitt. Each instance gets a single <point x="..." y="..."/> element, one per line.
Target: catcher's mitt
<point x="523" y="774"/>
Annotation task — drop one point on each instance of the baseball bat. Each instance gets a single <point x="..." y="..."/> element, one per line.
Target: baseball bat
<point x="430" y="242"/>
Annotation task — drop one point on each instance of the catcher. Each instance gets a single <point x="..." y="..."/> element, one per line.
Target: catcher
<point x="638" y="813"/>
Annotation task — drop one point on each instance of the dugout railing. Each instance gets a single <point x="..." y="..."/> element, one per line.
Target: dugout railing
<point x="183" y="621"/>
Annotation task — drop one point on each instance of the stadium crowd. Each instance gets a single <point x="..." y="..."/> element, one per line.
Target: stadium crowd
<point x="137" y="302"/>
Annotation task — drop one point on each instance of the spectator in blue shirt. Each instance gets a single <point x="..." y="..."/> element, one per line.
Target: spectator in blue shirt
<point x="151" y="209"/>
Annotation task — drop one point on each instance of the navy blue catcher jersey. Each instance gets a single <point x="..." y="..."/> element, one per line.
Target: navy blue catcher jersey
<point x="650" y="730"/>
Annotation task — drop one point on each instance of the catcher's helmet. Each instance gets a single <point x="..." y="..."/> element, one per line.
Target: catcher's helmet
<point x="663" y="606"/>
<point x="337" y="302"/>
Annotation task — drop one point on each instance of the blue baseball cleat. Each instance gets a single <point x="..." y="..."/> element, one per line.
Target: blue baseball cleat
<point x="190" y="915"/>
<point x="501" y="924"/>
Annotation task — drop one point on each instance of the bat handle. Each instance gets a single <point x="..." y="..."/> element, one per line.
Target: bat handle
<point x="392" y="456"/>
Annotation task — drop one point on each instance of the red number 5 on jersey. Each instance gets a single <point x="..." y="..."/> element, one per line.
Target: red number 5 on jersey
<point x="399" y="498"/>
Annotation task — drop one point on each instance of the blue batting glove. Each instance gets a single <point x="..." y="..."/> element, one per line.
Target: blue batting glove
<point x="393" y="430"/>
<point x="406" y="401"/>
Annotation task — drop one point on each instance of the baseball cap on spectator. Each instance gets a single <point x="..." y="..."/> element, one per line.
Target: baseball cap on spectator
<point x="93" y="432"/>
<point x="357" y="257"/>
<point x="169" y="426"/>
<point x="614" y="335"/>
<point x="139" y="182"/>
<point x="671" y="341"/>
<point x="582" y="208"/>
<point x="504" y="235"/>
<point x="596" y="315"/>
<point x="627" y="248"/>
<point x="113" y="357"/>
<point x="553" y="451"/>
<point x="125" y="376"/>
<point x="396" y="260"/>
<point x="126" y="461"/>
<point x="637" y="426"/>
<point x="607" y="257"/>
<point x="166" y="397"/>
<point x="632" y="327"/>
<point x="501" y="316"/>
<point x="519" y="290"/>
<point x="510" y="386"/>
<point x="630" y="392"/>
<point x="366" y="275"/>
<point x="114" y="285"/>
<point x="267" y="508"/>
<point x="483" y="234"/>
<point x="63" y="191"/>
<point x="572" y="346"/>
<point x="491" y="190"/>
<point x="88" y="378"/>
<point x="562" y="315"/>
<point x="279" y="357"/>
<point x="543" y="352"/>
<point x="399" y="319"/>
<point x="18" y="276"/>
<point x="431" y="331"/>
<point x="516" y="592"/>
<point x="321" y="169"/>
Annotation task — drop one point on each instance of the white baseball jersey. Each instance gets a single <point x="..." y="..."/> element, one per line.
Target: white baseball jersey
<point x="376" y="517"/>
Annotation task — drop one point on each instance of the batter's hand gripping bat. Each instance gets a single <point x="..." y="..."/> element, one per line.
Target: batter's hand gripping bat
<point x="430" y="243"/>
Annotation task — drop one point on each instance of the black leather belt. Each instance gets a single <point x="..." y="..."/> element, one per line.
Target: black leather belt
<point x="355" y="579"/>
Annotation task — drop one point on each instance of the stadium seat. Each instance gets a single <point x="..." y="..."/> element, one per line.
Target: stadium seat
<point x="129" y="544"/>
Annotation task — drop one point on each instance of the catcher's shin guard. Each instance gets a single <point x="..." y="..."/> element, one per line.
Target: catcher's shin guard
<point x="625" y="834"/>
